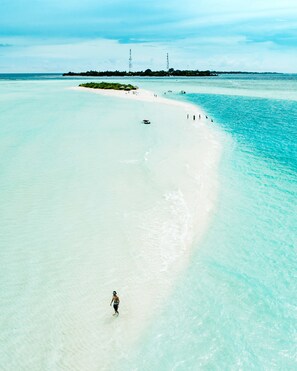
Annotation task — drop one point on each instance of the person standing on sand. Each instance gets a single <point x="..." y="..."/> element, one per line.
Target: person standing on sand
<point x="116" y="302"/>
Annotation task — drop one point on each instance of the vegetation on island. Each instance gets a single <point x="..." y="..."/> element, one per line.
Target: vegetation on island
<point x="108" y="85"/>
<point x="146" y="73"/>
<point x="245" y="73"/>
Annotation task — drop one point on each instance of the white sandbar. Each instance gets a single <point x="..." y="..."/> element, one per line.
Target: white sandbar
<point x="147" y="96"/>
<point x="162" y="248"/>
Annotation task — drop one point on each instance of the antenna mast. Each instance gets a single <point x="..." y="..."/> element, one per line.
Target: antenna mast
<point x="130" y="61"/>
<point x="167" y="62"/>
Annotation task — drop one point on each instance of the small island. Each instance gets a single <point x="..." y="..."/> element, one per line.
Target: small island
<point x="147" y="73"/>
<point x="108" y="86"/>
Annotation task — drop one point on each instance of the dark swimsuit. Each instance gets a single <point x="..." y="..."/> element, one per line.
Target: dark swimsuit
<point x="116" y="304"/>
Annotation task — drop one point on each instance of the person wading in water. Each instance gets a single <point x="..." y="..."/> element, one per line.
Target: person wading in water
<point x="116" y="302"/>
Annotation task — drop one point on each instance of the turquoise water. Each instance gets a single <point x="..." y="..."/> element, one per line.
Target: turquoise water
<point x="67" y="159"/>
<point x="235" y="307"/>
<point x="266" y="126"/>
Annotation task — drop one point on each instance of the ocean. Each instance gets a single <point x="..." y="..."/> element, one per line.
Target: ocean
<point x="88" y="194"/>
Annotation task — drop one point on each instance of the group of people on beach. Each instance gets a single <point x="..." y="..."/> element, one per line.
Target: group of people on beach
<point x="199" y="116"/>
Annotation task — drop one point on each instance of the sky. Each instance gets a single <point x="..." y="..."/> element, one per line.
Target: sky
<point x="79" y="35"/>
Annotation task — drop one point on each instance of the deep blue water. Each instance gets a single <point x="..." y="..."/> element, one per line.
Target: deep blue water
<point x="30" y="76"/>
<point x="266" y="126"/>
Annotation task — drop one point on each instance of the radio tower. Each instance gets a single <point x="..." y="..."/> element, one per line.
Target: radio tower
<point x="130" y="61"/>
<point x="167" y="62"/>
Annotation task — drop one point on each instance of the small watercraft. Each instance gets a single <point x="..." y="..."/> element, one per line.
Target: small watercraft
<point x="146" y="121"/>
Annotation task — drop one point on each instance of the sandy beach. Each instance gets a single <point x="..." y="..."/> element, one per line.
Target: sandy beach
<point x="149" y="96"/>
<point x="162" y="248"/>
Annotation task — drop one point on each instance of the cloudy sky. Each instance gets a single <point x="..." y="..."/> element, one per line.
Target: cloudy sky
<point x="77" y="35"/>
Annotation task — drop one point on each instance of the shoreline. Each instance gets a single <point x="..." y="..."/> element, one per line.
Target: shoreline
<point x="163" y="250"/>
<point x="144" y="95"/>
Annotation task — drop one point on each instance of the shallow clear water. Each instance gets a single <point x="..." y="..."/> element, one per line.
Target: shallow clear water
<point x="92" y="200"/>
<point x="67" y="159"/>
<point x="235" y="307"/>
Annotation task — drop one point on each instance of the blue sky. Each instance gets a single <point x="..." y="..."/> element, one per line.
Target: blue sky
<point x="57" y="35"/>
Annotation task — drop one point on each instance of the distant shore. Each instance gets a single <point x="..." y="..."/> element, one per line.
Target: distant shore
<point x="162" y="73"/>
<point x="147" y="73"/>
